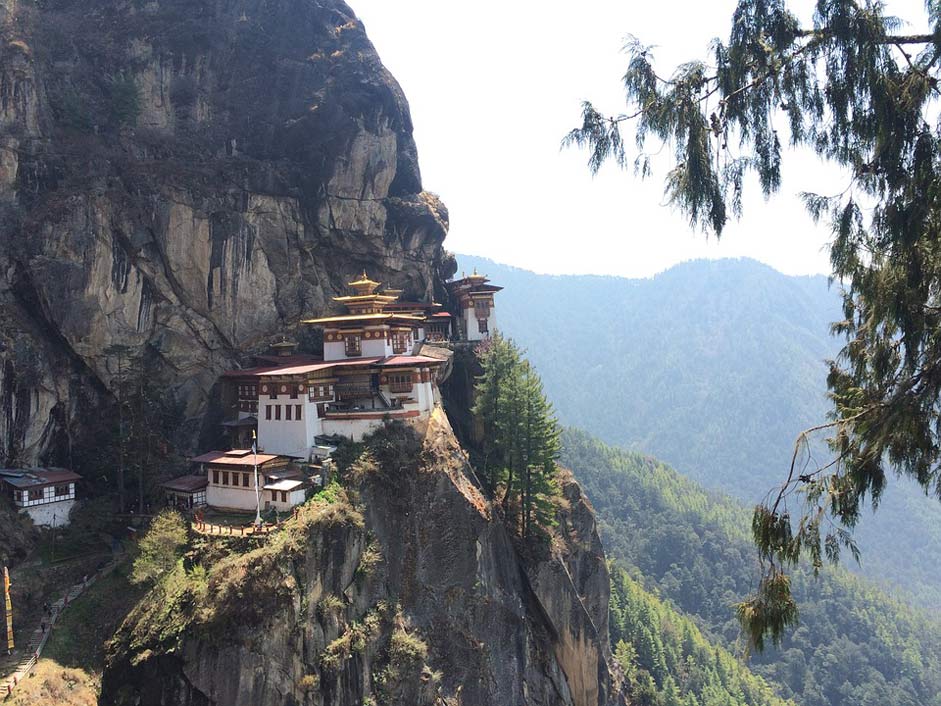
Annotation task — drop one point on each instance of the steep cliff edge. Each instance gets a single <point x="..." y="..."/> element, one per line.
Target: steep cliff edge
<point x="407" y="589"/>
<point x="181" y="179"/>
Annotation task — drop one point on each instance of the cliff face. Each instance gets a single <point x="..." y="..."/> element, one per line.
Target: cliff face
<point x="413" y="594"/>
<point x="181" y="179"/>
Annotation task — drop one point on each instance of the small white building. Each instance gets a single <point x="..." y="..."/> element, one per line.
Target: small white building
<point x="476" y="320"/>
<point x="186" y="492"/>
<point x="230" y="477"/>
<point x="46" y="495"/>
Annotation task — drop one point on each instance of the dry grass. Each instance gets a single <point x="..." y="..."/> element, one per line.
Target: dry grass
<point x="52" y="684"/>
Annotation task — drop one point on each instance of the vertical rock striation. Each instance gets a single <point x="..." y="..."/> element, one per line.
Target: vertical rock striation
<point x="182" y="179"/>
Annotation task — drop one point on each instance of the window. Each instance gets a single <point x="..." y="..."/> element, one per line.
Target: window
<point x="273" y="395"/>
<point x="268" y="412"/>
<point x="277" y="412"/>
<point x="62" y="490"/>
<point x="284" y="496"/>
<point x="401" y="382"/>
<point x="482" y="325"/>
<point x="293" y="392"/>
<point x="35" y="493"/>
<point x="352" y="345"/>
<point x="274" y="496"/>
<point x="215" y="477"/>
<point x="482" y="309"/>
<point x="245" y="478"/>
<point x="287" y="412"/>
<point x="317" y="393"/>
<point x="297" y="412"/>
<point x="225" y="477"/>
<point x="400" y="342"/>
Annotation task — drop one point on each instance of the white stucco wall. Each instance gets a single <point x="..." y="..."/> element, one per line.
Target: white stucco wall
<point x="54" y="514"/>
<point x="295" y="497"/>
<point x="423" y="396"/>
<point x="333" y="350"/>
<point x="472" y="327"/>
<point x="227" y="496"/>
<point x="355" y="428"/>
<point x="375" y="348"/>
<point x="369" y="347"/>
<point x="288" y="437"/>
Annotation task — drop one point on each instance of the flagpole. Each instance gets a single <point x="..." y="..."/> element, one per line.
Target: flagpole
<point x="8" y="609"/>
<point x="257" y="492"/>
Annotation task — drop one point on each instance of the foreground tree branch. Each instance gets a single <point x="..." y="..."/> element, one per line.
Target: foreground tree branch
<point x="849" y="90"/>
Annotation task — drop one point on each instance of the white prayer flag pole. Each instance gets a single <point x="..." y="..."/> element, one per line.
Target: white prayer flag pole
<point x="257" y="491"/>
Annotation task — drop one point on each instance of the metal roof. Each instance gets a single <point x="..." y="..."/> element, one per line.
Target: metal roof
<point x="394" y="360"/>
<point x="186" y="484"/>
<point x="223" y="458"/>
<point x="284" y="485"/>
<point x="37" y="477"/>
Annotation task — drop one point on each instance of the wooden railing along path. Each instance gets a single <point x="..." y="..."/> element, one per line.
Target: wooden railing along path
<point x="231" y="531"/>
<point x="40" y="637"/>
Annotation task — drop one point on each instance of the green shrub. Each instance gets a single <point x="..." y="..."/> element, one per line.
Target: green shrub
<point x="161" y="548"/>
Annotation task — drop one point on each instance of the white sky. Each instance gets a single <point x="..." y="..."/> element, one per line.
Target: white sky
<point x="495" y="84"/>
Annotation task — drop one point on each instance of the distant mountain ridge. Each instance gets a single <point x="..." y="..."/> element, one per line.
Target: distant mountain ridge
<point x="714" y="366"/>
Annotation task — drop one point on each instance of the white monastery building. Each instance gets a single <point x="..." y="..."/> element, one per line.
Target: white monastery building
<point x="372" y="370"/>
<point x="46" y="495"/>
<point x="369" y="373"/>
<point x="231" y="480"/>
<point x="476" y="320"/>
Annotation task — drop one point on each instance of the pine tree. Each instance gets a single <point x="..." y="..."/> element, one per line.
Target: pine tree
<point x="858" y="92"/>
<point x="521" y="435"/>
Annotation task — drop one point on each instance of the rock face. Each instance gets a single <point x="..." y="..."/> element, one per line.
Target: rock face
<point x="419" y="595"/>
<point x="179" y="181"/>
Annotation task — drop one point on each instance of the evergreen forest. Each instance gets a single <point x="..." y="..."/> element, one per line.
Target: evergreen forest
<point x="855" y="645"/>
<point x="714" y="367"/>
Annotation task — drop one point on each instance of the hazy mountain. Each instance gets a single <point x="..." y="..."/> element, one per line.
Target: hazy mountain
<point x="713" y="366"/>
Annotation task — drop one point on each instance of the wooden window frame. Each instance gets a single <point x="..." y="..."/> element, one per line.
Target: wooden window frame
<point x="352" y="345"/>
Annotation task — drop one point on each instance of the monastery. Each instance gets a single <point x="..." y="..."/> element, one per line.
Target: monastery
<point x="373" y="369"/>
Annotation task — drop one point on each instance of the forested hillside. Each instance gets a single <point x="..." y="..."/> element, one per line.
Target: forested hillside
<point x="855" y="645"/>
<point x="714" y="367"/>
<point x="667" y="660"/>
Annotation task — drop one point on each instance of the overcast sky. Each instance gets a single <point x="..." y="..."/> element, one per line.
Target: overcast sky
<point x="495" y="84"/>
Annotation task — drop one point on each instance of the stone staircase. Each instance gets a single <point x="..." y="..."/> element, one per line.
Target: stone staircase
<point x="18" y="666"/>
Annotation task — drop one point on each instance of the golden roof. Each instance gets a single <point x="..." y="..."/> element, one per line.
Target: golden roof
<point x="364" y="285"/>
<point x="355" y="298"/>
<point x="361" y="317"/>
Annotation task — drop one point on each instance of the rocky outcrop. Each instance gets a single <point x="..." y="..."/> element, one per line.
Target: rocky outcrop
<point x="418" y="595"/>
<point x="179" y="181"/>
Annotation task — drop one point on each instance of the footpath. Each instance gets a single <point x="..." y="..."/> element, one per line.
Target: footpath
<point x="39" y="637"/>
